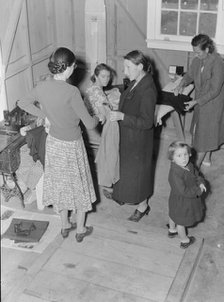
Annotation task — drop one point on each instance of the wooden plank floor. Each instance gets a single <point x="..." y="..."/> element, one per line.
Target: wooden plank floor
<point x="120" y="261"/>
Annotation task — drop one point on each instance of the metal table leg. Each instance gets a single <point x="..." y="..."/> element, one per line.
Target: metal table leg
<point x="11" y="192"/>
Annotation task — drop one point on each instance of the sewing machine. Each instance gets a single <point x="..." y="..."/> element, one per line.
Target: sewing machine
<point x="10" y="143"/>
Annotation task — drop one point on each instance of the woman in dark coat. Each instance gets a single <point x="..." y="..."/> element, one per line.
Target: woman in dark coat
<point x="207" y="73"/>
<point x="136" y="118"/>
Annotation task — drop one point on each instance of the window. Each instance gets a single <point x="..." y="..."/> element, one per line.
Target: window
<point x="173" y="23"/>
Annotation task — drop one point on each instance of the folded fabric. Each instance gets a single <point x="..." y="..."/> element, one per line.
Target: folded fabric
<point x="177" y="102"/>
<point x="107" y="157"/>
<point x="25" y="230"/>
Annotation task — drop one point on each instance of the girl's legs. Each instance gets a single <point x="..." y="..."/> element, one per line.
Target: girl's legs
<point x="172" y="226"/>
<point x="82" y="231"/>
<point x="73" y="216"/>
<point x="65" y="224"/>
<point x="81" y="221"/>
<point x="182" y="233"/>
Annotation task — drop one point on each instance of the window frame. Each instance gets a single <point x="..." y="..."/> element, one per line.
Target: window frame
<point x="174" y="42"/>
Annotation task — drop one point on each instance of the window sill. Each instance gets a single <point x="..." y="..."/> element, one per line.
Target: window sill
<point x="176" y="45"/>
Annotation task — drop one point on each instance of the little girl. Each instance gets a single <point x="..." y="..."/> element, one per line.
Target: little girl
<point x="185" y="206"/>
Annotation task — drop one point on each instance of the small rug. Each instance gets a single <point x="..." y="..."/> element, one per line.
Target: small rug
<point x="26" y="230"/>
<point x="51" y="221"/>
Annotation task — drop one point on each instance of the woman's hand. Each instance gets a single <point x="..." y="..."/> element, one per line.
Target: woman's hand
<point x="116" y="116"/>
<point x="190" y="105"/>
<point x="23" y="130"/>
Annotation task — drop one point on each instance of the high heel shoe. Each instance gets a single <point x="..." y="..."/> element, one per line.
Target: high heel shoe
<point x="137" y="215"/>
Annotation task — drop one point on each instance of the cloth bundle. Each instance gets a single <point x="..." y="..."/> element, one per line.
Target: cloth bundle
<point x="177" y="102"/>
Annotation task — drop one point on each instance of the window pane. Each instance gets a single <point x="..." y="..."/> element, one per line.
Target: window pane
<point x="169" y="23"/>
<point x="209" y="5"/>
<point x="207" y="24"/>
<point x="170" y="4"/>
<point x="189" y="4"/>
<point x="188" y="23"/>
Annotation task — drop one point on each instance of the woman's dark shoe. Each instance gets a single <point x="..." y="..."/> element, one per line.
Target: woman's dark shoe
<point x="80" y="236"/>
<point x="184" y="245"/>
<point x="65" y="232"/>
<point x="137" y="215"/>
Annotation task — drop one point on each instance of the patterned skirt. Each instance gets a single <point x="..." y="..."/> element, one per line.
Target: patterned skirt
<point x="68" y="182"/>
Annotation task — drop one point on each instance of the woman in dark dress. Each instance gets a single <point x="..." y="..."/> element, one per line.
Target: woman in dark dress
<point x="136" y="118"/>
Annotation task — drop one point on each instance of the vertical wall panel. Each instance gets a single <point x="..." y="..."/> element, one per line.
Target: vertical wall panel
<point x="41" y="27"/>
<point x="19" y="58"/>
<point x="18" y="68"/>
<point x="5" y="12"/>
<point x="111" y="34"/>
<point x="79" y="27"/>
<point x="64" y="23"/>
<point x="131" y="25"/>
<point x="95" y="33"/>
<point x="40" y="70"/>
<point x="16" y="86"/>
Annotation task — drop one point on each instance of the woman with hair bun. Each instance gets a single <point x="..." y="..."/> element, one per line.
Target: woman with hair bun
<point x="207" y="73"/>
<point x="67" y="179"/>
<point x="136" y="121"/>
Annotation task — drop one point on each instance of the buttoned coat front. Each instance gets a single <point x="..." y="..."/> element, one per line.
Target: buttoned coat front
<point x="136" y="142"/>
<point x="185" y="205"/>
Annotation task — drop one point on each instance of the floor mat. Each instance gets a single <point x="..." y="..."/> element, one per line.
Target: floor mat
<point x="53" y="229"/>
<point x="26" y="230"/>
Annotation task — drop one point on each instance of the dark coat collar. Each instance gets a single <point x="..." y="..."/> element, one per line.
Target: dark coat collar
<point x="180" y="169"/>
<point x="129" y="93"/>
